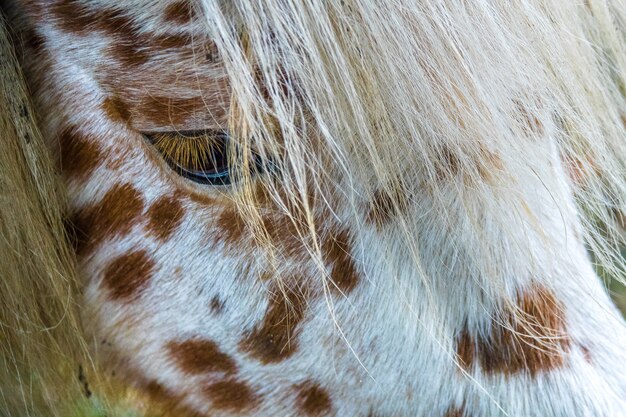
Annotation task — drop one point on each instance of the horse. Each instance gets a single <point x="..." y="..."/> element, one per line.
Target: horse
<point x="312" y="208"/>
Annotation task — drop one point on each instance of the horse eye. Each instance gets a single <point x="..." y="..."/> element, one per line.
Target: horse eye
<point x="201" y="156"/>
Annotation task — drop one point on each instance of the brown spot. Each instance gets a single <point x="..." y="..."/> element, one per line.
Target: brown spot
<point x="488" y="164"/>
<point x="337" y="252"/>
<point x="483" y="164"/>
<point x="126" y="45"/>
<point x="79" y="155"/>
<point x="231" y="395"/>
<point x="274" y="340"/>
<point x="179" y="12"/>
<point x="128" y="51"/>
<point x="116" y="109"/>
<point x="230" y="226"/>
<point x="531" y="340"/>
<point x="283" y="234"/>
<point x="581" y="169"/>
<point x="386" y="205"/>
<point x="216" y="305"/>
<point x="32" y="40"/>
<point x="447" y="164"/>
<point x="277" y="229"/>
<point x="455" y="412"/>
<point x="164" y="216"/>
<point x="72" y="16"/>
<point x="312" y="399"/>
<point x="127" y="275"/>
<point x="266" y="276"/>
<point x="465" y="349"/>
<point x="158" y="43"/>
<point x="198" y="356"/>
<point x="178" y="271"/>
<point x="156" y="389"/>
<point x="534" y="125"/>
<point x="170" y="111"/>
<point x="531" y="124"/>
<point x="115" y="215"/>
<point x="162" y="401"/>
<point x="201" y="199"/>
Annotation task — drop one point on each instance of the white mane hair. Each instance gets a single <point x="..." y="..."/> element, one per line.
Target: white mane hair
<point x="386" y="99"/>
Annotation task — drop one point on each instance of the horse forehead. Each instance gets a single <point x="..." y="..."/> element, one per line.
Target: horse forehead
<point x="146" y="13"/>
<point x="154" y="60"/>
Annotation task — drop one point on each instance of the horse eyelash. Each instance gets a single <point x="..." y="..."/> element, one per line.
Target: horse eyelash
<point x="189" y="149"/>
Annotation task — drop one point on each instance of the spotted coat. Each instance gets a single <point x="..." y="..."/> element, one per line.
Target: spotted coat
<point x="183" y="310"/>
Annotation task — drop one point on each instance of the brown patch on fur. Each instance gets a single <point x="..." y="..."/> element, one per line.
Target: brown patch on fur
<point x="33" y="41"/>
<point x="79" y="156"/>
<point x="201" y="199"/>
<point x="531" y="123"/>
<point x="216" y="305"/>
<point x="72" y="16"/>
<point x="488" y="165"/>
<point x="168" y="403"/>
<point x="312" y="399"/>
<point x="534" y="340"/>
<point x="116" y="109"/>
<point x="164" y="216"/>
<point x="129" y="45"/>
<point x="465" y="349"/>
<point x="447" y="164"/>
<point x="113" y="216"/>
<point x="179" y="12"/>
<point x="170" y="111"/>
<point x="535" y="125"/>
<point x="163" y="402"/>
<point x="156" y="389"/>
<point x="178" y="42"/>
<point x="199" y="356"/>
<point x="231" y="395"/>
<point x="386" y="206"/>
<point x="127" y="275"/>
<point x="484" y="164"/>
<point x="287" y="229"/>
<point x="274" y="340"/>
<point x="337" y="249"/>
<point x="283" y="234"/>
<point x="230" y="226"/>
<point x="581" y="169"/>
<point x="128" y="51"/>
<point x="455" y="412"/>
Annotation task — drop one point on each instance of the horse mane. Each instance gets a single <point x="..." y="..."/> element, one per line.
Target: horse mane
<point x="452" y="99"/>
<point x="40" y="330"/>
<point x="462" y="84"/>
